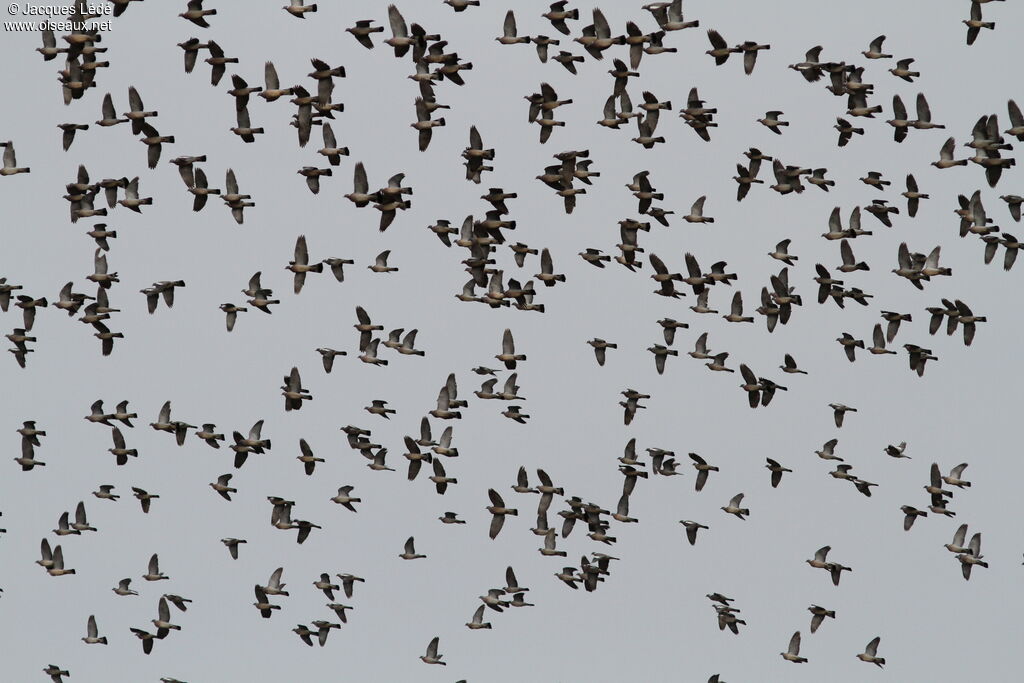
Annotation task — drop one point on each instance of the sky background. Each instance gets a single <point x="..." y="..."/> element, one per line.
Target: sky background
<point x="650" y="619"/>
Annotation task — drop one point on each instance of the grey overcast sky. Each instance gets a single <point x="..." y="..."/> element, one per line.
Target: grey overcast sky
<point x="649" y="621"/>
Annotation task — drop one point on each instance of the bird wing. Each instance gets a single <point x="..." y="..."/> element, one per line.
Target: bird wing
<point x="360" y="183"/>
<point x="509" y="25"/>
<point x="301" y="252"/>
<point x="924" y="112"/>
<point x="508" y="345"/>
<point x="546" y="266"/>
<point x="794" y="644"/>
<point x="398" y="27"/>
<point x="847" y="253"/>
<point x="899" y="110"/>
<point x="163" y="611"/>
<point x="601" y="27"/>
